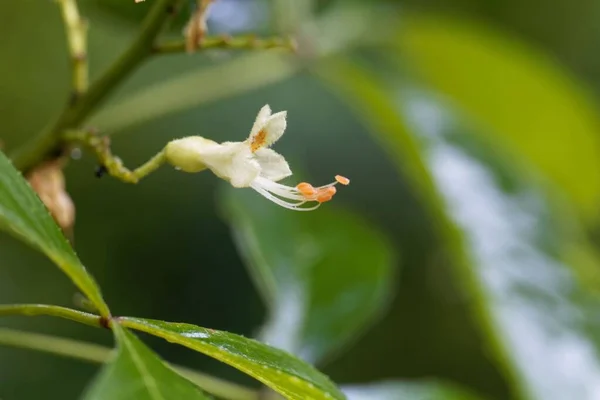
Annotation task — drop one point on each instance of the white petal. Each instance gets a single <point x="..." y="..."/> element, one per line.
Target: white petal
<point x="259" y="122"/>
<point x="275" y="127"/>
<point x="243" y="170"/>
<point x="269" y="132"/>
<point x="272" y="164"/>
<point x="220" y="157"/>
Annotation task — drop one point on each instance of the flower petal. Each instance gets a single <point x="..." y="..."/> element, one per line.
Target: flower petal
<point x="232" y="161"/>
<point x="260" y="121"/>
<point x="275" y="127"/>
<point x="272" y="164"/>
<point x="243" y="170"/>
<point x="219" y="157"/>
<point x="271" y="131"/>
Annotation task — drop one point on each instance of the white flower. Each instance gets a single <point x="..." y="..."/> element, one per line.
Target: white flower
<point x="251" y="163"/>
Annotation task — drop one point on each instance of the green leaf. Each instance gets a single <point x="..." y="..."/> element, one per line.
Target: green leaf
<point x="398" y="390"/>
<point x="508" y="242"/>
<point x="325" y="275"/>
<point x="244" y="73"/>
<point x="137" y="373"/>
<point x="525" y="98"/>
<point x="23" y="214"/>
<point x="275" y="368"/>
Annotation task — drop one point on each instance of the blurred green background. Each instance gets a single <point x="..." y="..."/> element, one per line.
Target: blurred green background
<point x="524" y="74"/>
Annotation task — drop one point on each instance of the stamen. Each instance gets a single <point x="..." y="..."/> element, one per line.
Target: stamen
<point x="259" y="140"/>
<point x="323" y="198"/>
<point x="303" y="192"/>
<point x="306" y="189"/>
<point x="326" y="194"/>
<point x="283" y="203"/>
<point x="342" y="179"/>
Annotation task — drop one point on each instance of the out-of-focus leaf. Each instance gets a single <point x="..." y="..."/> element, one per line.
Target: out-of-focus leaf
<point x="398" y="390"/>
<point x="505" y="238"/>
<point x="137" y="373"/>
<point x="526" y="100"/>
<point x="275" y="368"/>
<point x="243" y="74"/>
<point x="23" y="214"/>
<point x="325" y="275"/>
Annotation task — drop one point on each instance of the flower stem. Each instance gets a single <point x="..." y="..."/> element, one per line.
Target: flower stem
<point x="54" y="311"/>
<point x="99" y="354"/>
<point x="100" y="146"/>
<point x="49" y="141"/>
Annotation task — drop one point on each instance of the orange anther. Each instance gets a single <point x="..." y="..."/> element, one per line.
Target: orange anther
<point x="306" y="189"/>
<point x="322" y="198"/>
<point x="330" y="191"/>
<point x="326" y="194"/>
<point x="258" y="140"/>
<point x="342" y="179"/>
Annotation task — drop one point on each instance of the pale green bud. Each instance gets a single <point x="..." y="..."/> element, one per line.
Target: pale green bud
<point x="186" y="154"/>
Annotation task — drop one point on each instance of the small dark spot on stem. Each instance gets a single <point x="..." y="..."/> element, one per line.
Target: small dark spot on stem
<point x="171" y="10"/>
<point x="100" y="171"/>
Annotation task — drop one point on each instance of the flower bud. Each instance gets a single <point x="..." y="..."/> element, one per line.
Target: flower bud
<point x="185" y="154"/>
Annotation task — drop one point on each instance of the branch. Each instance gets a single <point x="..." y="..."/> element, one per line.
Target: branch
<point x="100" y="146"/>
<point x="99" y="354"/>
<point x="32" y="310"/>
<point x="49" y="142"/>
<point x="248" y="42"/>
<point x="76" y="29"/>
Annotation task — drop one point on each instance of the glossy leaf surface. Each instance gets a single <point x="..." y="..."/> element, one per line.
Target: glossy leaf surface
<point x="275" y="368"/>
<point x="137" y="373"/>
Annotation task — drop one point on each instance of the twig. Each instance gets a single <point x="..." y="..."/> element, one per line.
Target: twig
<point x="54" y="311"/>
<point x="100" y="146"/>
<point x="247" y="42"/>
<point x="76" y="30"/>
<point x="49" y="141"/>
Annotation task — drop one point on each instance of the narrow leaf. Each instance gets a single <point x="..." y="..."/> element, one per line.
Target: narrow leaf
<point x="275" y="368"/>
<point x="510" y="247"/>
<point x="325" y="275"/>
<point x="520" y="93"/>
<point x="243" y="74"/>
<point x="137" y="373"/>
<point x="23" y="214"/>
